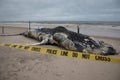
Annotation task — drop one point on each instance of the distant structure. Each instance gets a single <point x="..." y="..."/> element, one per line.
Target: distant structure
<point x="78" y="30"/>
<point x="2" y="30"/>
<point x="29" y="25"/>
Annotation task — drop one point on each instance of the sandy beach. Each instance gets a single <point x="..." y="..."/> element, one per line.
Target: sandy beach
<point x="23" y="65"/>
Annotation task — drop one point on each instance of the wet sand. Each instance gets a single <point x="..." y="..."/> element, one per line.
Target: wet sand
<point x="23" y="65"/>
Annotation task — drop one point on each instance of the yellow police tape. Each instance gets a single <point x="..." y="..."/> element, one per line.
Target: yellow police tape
<point x="65" y="53"/>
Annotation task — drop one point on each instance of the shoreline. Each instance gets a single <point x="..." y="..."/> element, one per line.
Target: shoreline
<point x="10" y="28"/>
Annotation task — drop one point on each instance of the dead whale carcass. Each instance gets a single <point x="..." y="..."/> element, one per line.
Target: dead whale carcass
<point x="70" y="40"/>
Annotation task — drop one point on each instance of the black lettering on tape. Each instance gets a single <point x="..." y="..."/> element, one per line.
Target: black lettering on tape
<point x="20" y="46"/>
<point x="36" y="49"/>
<point x="64" y="53"/>
<point x="26" y="47"/>
<point x="50" y="51"/>
<point x="14" y="46"/>
<point x="74" y="54"/>
<point x="7" y="44"/>
<point x="102" y="58"/>
<point x="86" y="56"/>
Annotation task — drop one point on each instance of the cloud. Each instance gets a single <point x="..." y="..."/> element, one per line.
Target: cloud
<point x="87" y="10"/>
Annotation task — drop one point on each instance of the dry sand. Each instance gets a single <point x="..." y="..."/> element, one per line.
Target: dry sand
<point x="23" y="65"/>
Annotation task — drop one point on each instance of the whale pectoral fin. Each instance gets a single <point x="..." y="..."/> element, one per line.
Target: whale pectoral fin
<point x="45" y="41"/>
<point x="34" y="44"/>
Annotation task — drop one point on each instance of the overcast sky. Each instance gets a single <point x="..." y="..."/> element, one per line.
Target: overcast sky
<point x="59" y="10"/>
